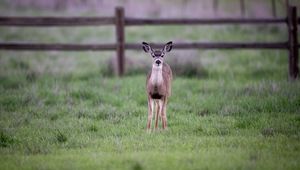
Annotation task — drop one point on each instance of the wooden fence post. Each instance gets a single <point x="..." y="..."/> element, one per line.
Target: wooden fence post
<point x="120" y="37"/>
<point x="293" y="42"/>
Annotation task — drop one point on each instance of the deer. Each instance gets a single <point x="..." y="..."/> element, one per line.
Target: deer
<point x="158" y="85"/>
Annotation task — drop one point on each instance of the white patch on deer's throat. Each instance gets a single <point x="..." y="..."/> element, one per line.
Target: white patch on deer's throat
<point x="156" y="75"/>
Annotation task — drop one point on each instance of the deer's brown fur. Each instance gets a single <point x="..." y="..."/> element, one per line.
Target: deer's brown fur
<point x="157" y="91"/>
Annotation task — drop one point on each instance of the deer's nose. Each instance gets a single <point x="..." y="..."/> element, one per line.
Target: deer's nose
<point x="157" y="62"/>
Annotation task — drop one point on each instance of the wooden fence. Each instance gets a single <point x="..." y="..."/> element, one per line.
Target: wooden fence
<point x="120" y="21"/>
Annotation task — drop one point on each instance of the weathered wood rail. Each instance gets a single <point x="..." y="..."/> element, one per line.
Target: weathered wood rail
<point x="120" y="22"/>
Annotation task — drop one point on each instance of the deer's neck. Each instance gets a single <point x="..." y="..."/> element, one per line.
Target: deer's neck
<point x="156" y="76"/>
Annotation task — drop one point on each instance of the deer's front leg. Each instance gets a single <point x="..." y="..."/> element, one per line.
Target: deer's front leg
<point x="150" y="114"/>
<point x="157" y="114"/>
<point x="163" y="113"/>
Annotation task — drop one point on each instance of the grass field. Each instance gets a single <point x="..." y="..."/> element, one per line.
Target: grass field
<point x="59" y="110"/>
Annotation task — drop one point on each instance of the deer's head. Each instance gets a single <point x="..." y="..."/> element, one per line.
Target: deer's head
<point x="157" y="54"/>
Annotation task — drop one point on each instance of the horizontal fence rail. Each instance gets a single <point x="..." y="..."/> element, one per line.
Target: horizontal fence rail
<point x="56" y="21"/>
<point x="135" y="46"/>
<point x="218" y="45"/>
<point x="97" y="21"/>
<point x="136" y="22"/>
<point x="57" y="47"/>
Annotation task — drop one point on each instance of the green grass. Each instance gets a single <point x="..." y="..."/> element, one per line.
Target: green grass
<point x="238" y="117"/>
<point x="59" y="110"/>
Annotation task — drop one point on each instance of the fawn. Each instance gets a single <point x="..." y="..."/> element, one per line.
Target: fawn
<point x="158" y="85"/>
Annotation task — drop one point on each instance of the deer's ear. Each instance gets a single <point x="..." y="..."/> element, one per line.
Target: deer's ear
<point x="168" y="47"/>
<point x="146" y="47"/>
